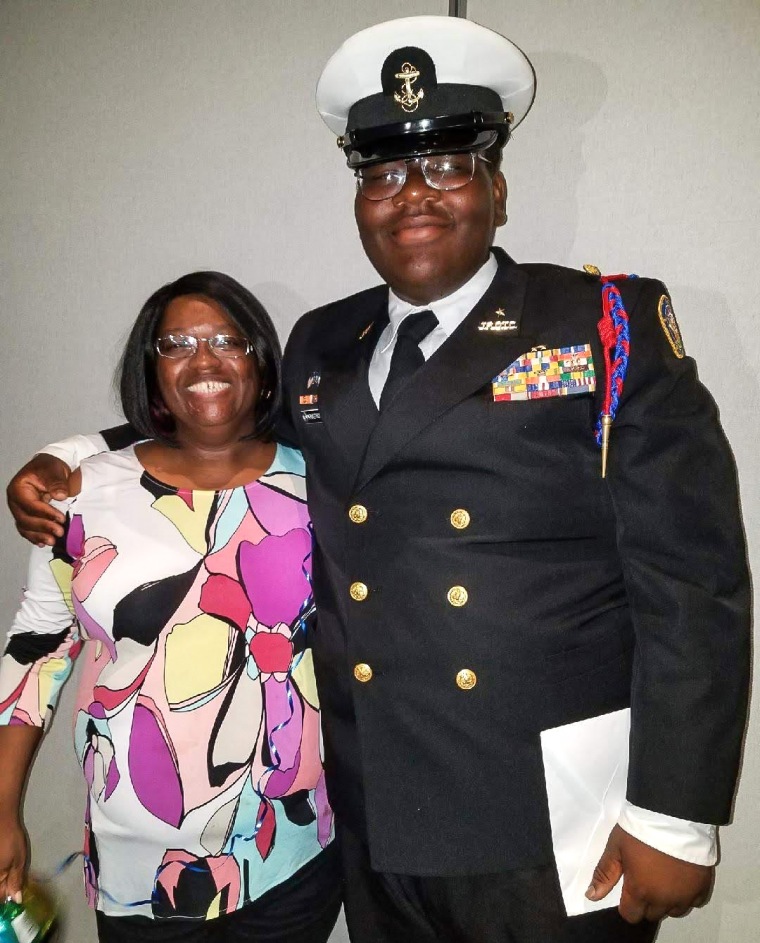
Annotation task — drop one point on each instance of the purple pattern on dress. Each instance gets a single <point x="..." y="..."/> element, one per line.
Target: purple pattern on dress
<point x="152" y="769"/>
<point x="92" y="630"/>
<point x="281" y="780"/>
<point x="75" y="537"/>
<point x="324" y="812"/>
<point x="284" y="718"/>
<point x="266" y="570"/>
<point x="273" y="509"/>
<point x="112" y="778"/>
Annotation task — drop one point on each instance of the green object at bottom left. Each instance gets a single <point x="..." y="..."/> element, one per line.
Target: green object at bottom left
<point x="32" y="921"/>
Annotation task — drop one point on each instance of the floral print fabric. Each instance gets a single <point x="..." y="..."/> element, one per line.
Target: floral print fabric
<point x="197" y="716"/>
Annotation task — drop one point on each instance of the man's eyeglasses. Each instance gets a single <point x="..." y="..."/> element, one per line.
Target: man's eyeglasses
<point x="441" y="172"/>
<point x="182" y="346"/>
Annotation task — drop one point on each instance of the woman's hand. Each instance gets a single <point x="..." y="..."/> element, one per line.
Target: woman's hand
<point x="29" y="494"/>
<point x="14" y="855"/>
<point x="17" y="747"/>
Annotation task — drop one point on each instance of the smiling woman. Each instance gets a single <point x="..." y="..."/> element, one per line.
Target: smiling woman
<point x="200" y="377"/>
<point x="184" y="578"/>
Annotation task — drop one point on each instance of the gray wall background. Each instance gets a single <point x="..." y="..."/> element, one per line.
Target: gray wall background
<point x="141" y="140"/>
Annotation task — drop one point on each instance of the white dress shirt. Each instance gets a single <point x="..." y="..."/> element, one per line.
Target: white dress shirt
<point x="450" y="311"/>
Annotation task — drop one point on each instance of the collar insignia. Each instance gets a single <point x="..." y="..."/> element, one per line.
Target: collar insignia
<point x="500" y="324"/>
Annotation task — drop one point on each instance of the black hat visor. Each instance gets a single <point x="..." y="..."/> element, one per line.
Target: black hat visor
<point x="445" y="135"/>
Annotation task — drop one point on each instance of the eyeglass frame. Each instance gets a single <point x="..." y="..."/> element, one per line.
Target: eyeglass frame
<point x="420" y="159"/>
<point x="195" y="347"/>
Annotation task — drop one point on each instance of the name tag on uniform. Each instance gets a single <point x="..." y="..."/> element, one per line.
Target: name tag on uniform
<point x="309" y="401"/>
<point x="541" y="373"/>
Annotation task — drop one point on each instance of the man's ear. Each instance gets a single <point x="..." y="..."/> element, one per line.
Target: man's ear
<point x="499" y="184"/>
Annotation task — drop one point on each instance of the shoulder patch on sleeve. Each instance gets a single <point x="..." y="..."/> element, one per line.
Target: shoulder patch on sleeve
<point x="670" y="326"/>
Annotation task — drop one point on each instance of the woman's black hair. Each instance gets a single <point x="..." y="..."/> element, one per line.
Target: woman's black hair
<point x="141" y="400"/>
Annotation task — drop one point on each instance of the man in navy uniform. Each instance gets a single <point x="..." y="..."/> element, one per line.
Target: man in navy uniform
<point x="533" y="677"/>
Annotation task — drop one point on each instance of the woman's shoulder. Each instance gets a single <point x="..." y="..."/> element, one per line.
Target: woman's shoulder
<point x="75" y="482"/>
<point x="105" y="469"/>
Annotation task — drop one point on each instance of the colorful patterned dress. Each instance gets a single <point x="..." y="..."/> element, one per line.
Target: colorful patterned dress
<point x="197" y="717"/>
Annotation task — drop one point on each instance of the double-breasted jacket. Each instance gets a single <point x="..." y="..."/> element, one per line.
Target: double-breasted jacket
<point x="478" y="582"/>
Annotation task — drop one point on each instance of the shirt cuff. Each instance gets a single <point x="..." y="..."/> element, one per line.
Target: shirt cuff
<point x="689" y="841"/>
<point x="74" y="450"/>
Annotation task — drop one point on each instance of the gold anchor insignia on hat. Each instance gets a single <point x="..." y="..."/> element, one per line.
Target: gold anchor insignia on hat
<point x="407" y="98"/>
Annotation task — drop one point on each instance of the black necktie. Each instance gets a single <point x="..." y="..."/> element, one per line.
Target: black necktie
<point x="407" y="356"/>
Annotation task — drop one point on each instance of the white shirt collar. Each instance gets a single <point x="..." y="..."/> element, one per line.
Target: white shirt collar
<point x="452" y="309"/>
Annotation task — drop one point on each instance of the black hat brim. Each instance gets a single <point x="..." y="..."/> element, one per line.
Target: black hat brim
<point x="450" y="134"/>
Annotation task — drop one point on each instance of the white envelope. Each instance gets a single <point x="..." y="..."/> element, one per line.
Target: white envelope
<point x="586" y="769"/>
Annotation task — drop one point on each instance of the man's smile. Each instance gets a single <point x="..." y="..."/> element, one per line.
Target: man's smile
<point x="412" y="230"/>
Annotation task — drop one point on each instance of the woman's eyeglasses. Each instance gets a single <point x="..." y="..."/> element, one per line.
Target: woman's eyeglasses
<point x="182" y="346"/>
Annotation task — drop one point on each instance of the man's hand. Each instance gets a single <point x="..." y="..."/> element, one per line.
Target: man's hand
<point x="655" y="885"/>
<point x="29" y="494"/>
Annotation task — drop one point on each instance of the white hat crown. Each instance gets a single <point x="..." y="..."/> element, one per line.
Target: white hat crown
<point x="464" y="53"/>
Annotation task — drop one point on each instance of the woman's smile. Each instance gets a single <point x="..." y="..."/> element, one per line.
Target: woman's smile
<point x="209" y="387"/>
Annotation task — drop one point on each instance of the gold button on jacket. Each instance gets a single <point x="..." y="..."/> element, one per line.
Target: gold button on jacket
<point x="358" y="513"/>
<point x="466" y="679"/>
<point x="362" y="672"/>
<point x="359" y="591"/>
<point x="457" y="596"/>
<point x="460" y="518"/>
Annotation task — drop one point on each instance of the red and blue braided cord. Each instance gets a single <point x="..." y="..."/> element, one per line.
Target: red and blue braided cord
<point x="615" y="338"/>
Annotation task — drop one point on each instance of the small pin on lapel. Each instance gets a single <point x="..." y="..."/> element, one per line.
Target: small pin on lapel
<point x="366" y="331"/>
<point x="498" y="326"/>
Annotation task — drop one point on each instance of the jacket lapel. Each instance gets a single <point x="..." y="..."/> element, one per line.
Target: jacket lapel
<point x="346" y="405"/>
<point x="463" y="364"/>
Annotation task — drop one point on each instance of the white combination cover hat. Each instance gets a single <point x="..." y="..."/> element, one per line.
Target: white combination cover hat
<point x="423" y="85"/>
